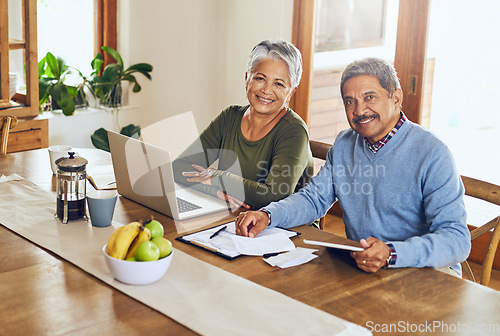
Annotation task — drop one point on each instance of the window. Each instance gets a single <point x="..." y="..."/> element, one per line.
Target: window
<point x="349" y="24"/>
<point x="75" y="30"/>
<point x="66" y="29"/>
<point x="464" y="89"/>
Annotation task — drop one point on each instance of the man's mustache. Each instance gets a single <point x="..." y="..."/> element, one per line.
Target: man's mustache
<point x="364" y="117"/>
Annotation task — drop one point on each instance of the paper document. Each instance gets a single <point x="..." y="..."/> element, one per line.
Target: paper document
<point x="13" y="177"/>
<point x="259" y="246"/>
<point x="101" y="177"/>
<point x="296" y="257"/>
<point x="228" y="244"/>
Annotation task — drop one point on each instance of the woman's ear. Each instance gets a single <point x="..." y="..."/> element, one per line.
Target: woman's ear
<point x="246" y="81"/>
<point x="291" y="94"/>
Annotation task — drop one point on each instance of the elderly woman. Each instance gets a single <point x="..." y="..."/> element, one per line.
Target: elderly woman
<point x="262" y="148"/>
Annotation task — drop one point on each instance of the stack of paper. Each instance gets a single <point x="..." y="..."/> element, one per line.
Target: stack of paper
<point x="226" y="243"/>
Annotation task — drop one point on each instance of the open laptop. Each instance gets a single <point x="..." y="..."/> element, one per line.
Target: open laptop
<point x="144" y="174"/>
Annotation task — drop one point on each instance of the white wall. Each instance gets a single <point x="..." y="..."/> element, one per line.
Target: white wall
<point x="198" y="49"/>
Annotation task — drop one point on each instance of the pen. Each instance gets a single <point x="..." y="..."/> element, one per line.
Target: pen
<point x="218" y="231"/>
<point x="268" y="255"/>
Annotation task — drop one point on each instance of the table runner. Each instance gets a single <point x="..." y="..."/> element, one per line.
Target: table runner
<point x="202" y="297"/>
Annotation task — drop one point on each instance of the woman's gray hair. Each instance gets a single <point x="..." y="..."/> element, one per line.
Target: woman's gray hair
<point x="376" y="67"/>
<point x="278" y="50"/>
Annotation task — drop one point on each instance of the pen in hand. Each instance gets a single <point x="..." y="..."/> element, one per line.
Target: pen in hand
<point x="218" y="231"/>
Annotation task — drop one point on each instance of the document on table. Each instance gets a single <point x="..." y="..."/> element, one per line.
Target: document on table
<point x="296" y="257"/>
<point x="229" y="245"/>
<point x="101" y="177"/>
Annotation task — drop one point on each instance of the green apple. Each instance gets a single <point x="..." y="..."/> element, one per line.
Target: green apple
<point x="164" y="245"/>
<point x="147" y="251"/>
<point x="156" y="228"/>
<point x="130" y="259"/>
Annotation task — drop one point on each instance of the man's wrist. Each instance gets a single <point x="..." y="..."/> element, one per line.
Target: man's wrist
<point x="391" y="260"/>
<point x="268" y="215"/>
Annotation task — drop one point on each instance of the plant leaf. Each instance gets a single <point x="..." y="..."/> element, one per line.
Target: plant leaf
<point x="143" y="68"/>
<point x="100" y="139"/>
<point x="72" y="90"/>
<point x="62" y="97"/>
<point x="43" y="86"/>
<point x="131" y="130"/>
<point x="53" y="65"/>
<point x="132" y="80"/>
<point x="67" y="105"/>
<point x="146" y="67"/>
<point x="112" y="73"/>
<point x="97" y="63"/>
<point x="115" y="54"/>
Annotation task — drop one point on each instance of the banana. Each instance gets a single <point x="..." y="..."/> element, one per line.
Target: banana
<point x="121" y="243"/>
<point x="112" y="240"/>
<point x="144" y="235"/>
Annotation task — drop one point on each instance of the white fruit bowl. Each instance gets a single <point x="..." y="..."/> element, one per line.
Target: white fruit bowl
<point x="137" y="272"/>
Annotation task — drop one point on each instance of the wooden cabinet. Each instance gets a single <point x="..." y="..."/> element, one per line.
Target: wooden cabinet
<point x="18" y="59"/>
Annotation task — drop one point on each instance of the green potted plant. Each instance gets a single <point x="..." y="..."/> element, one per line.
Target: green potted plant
<point x="107" y="88"/>
<point x="53" y="84"/>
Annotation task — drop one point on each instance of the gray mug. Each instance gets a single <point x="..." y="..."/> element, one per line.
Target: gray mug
<point x="101" y="204"/>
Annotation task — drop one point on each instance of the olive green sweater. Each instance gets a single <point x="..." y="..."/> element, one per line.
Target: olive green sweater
<point x="255" y="172"/>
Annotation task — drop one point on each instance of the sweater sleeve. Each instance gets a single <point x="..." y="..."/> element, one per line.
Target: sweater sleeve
<point x="448" y="241"/>
<point x="290" y="157"/>
<point x="203" y="151"/>
<point x="310" y="203"/>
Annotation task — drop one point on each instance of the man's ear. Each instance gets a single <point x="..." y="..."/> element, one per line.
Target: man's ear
<point x="397" y="98"/>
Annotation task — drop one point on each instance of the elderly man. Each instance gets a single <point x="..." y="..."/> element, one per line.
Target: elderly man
<point x="396" y="183"/>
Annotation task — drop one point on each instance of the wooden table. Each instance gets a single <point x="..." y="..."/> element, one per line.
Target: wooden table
<point x="41" y="293"/>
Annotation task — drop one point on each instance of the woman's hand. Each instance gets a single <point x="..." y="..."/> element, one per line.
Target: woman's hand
<point x="233" y="200"/>
<point x="202" y="175"/>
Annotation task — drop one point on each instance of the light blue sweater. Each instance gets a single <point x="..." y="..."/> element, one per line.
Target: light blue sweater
<point x="409" y="194"/>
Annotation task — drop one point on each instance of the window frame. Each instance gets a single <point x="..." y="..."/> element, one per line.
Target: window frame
<point x="409" y="61"/>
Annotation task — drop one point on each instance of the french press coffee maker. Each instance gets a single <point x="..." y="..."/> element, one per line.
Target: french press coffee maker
<point x="71" y="184"/>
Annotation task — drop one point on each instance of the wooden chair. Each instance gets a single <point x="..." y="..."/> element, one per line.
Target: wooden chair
<point x="490" y="193"/>
<point x="319" y="151"/>
<point x="6" y="123"/>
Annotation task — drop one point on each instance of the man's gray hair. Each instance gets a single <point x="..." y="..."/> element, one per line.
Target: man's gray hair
<point x="278" y="50"/>
<point x="376" y="67"/>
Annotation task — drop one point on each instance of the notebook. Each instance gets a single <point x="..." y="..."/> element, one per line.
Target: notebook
<point x="144" y="174"/>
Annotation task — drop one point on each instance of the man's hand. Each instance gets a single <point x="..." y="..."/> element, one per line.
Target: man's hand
<point x="250" y="223"/>
<point x="201" y="175"/>
<point x="373" y="257"/>
<point x="233" y="200"/>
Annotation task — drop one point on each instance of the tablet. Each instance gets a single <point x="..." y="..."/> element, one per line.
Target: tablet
<point x="332" y="245"/>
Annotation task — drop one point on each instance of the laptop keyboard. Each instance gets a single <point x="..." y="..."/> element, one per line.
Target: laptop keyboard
<point x="185" y="206"/>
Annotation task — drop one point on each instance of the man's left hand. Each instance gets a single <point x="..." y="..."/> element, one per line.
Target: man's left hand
<point x="373" y="257"/>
